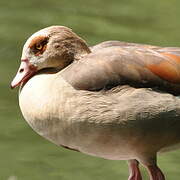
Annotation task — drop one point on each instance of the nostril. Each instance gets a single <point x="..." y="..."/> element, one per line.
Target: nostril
<point x="21" y="70"/>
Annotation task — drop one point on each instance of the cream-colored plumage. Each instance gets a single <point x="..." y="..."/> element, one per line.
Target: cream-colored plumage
<point x="100" y="124"/>
<point x="115" y="100"/>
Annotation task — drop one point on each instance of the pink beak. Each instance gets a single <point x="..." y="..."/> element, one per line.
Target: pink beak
<point x="25" y="71"/>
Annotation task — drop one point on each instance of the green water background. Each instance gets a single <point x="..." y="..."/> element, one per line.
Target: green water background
<point x="24" y="155"/>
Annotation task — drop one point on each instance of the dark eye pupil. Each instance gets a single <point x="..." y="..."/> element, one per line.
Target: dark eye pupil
<point x="39" y="46"/>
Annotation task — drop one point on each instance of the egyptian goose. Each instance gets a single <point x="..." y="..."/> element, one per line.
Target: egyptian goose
<point x="115" y="100"/>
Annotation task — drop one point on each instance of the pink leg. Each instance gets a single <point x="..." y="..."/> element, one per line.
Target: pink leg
<point x="155" y="173"/>
<point x="134" y="171"/>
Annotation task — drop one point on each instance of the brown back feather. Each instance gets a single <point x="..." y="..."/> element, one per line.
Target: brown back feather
<point x="112" y="64"/>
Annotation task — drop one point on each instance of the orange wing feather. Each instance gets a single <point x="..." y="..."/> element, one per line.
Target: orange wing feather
<point x="167" y="70"/>
<point x="172" y="57"/>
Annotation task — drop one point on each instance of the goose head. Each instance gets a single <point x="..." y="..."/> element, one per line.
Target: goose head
<point x="51" y="47"/>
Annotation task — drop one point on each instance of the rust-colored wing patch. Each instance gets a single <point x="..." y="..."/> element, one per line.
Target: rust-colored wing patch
<point x="172" y="57"/>
<point x="166" y="71"/>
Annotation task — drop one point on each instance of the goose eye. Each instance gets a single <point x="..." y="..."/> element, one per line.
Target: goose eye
<point x="39" y="47"/>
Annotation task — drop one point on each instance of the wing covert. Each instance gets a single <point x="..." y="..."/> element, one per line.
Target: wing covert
<point x="134" y="66"/>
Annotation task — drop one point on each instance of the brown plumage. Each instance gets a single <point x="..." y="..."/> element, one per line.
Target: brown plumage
<point x="114" y="100"/>
<point x="120" y="63"/>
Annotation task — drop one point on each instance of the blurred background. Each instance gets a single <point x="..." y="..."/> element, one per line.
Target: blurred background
<point x="24" y="155"/>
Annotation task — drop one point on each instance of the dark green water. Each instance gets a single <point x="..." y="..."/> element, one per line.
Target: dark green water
<point x="23" y="154"/>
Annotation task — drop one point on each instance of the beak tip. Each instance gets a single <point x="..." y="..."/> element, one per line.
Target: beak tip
<point x="12" y="86"/>
<point x="26" y="70"/>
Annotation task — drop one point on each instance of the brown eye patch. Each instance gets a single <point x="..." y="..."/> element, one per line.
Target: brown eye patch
<point x="38" y="45"/>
